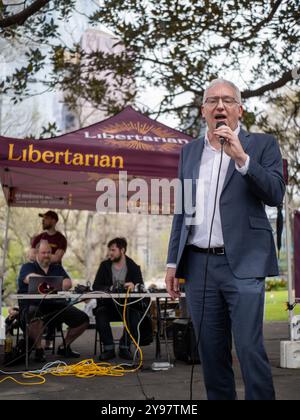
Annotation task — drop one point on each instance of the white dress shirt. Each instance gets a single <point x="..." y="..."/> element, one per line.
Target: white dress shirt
<point x="205" y="196"/>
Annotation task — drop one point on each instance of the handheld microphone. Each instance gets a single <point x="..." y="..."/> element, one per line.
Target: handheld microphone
<point x="221" y="139"/>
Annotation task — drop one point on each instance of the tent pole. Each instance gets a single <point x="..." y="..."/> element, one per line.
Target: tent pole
<point x="5" y="246"/>
<point x="289" y="261"/>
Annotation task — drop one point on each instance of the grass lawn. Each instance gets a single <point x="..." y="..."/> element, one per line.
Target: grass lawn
<point x="275" y="306"/>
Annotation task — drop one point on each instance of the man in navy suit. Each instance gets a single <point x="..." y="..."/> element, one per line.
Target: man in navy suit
<point x="224" y="246"/>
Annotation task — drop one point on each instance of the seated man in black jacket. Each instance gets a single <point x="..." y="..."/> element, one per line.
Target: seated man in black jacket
<point x="115" y="272"/>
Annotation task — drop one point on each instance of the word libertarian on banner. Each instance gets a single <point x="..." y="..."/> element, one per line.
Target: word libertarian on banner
<point x="130" y="137"/>
<point x="33" y="155"/>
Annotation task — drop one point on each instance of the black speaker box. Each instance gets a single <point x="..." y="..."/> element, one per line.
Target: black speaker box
<point x="184" y="342"/>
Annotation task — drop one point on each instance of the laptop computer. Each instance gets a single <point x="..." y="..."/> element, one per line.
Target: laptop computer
<point x="44" y="285"/>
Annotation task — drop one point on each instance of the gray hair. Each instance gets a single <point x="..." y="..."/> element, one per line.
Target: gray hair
<point x="42" y="242"/>
<point x="224" y="82"/>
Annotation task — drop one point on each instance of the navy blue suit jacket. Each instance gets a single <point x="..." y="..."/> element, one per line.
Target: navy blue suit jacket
<point x="248" y="237"/>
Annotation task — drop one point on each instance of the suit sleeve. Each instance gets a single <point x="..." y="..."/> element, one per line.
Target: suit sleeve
<point x="177" y="219"/>
<point x="138" y="278"/>
<point x="99" y="283"/>
<point x="265" y="178"/>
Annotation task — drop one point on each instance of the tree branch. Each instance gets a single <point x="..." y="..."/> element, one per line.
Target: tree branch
<point x="285" y="78"/>
<point x="255" y="29"/>
<point x="20" y="18"/>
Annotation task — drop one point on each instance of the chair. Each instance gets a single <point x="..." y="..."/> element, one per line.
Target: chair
<point x="98" y="340"/>
<point x="58" y="329"/>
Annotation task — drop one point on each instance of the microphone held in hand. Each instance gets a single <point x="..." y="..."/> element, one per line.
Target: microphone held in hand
<point x="221" y="139"/>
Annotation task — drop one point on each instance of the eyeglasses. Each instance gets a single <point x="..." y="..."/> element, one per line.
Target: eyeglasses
<point x="227" y="101"/>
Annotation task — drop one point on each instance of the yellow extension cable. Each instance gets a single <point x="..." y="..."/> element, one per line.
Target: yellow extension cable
<point x="84" y="369"/>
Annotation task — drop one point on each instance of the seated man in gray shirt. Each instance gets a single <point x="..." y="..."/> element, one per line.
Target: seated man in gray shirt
<point x="116" y="273"/>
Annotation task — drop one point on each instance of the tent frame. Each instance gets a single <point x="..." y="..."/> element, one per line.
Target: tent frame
<point x="289" y="246"/>
<point x="5" y="249"/>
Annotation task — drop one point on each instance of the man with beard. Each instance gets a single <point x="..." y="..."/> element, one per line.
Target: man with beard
<point x="39" y="313"/>
<point x="56" y="240"/>
<point x="116" y="273"/>
<point x="58" y="244"/>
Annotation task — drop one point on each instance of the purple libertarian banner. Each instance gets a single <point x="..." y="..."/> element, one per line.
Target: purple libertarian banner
<point x="129" y="141"/>
<point x="65" y="171"/>
<point x="297" y="253"/>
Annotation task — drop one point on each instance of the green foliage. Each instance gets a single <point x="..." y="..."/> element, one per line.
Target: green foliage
<point x="275" y="309"/>
<point x="276" y="284"/>
<point x="15" y="257"/>
<point x="249" y="119"/>
<point x="282" y="119"/>
<point x="50" y="131"/>
<point x="181" y="45"/>
<point x="176" y="46"/>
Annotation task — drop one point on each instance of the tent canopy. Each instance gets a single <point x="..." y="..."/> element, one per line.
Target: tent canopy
<point x="62" y="172"/>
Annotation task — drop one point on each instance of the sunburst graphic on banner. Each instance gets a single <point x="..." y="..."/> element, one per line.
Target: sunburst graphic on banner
<point x="132" y="144"/>
<point x="142" y="145"/>
<point x="141" y="128"/>
<point x="161" y="137"/>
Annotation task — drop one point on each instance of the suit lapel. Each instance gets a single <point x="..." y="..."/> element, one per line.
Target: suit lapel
<point x="195" y="164"/>
<point x="197" y="159"/>
<point x="196" y="167"/>
<point x="244" y="139"/>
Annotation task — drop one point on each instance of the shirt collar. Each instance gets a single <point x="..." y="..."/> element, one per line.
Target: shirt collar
<point x="40" y="267"/>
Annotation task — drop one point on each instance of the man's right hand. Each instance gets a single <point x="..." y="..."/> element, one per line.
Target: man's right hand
<point x="172" y="283"/>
